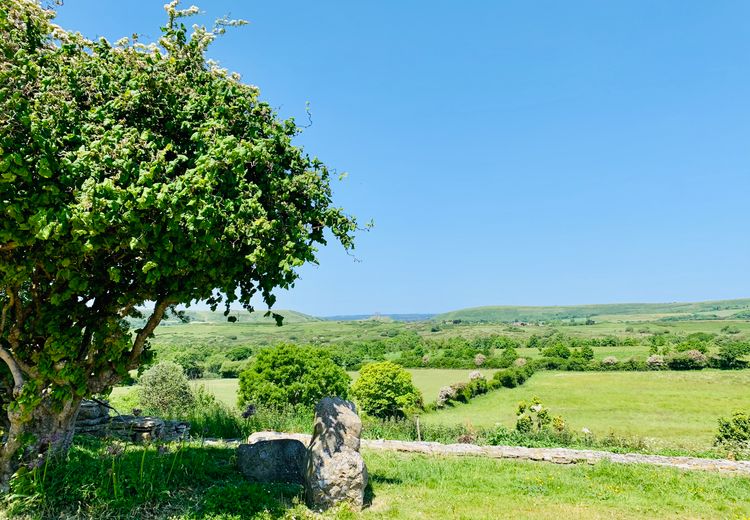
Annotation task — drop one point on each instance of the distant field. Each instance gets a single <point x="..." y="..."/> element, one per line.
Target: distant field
<point x="676" y="407"/>
<point x="428" y="380"/>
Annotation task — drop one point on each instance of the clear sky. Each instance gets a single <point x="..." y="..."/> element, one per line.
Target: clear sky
<point x="509" y="152"/>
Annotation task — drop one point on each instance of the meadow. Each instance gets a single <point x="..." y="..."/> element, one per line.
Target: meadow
<point x="678" y="409"/>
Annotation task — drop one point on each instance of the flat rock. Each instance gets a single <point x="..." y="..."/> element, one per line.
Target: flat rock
<point x="278" y="460"/>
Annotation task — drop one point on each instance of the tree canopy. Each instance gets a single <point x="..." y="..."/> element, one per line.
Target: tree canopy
<point x="133" y="173"/>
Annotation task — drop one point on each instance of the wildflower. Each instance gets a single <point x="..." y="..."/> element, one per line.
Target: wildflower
<point x="36" y="463"/>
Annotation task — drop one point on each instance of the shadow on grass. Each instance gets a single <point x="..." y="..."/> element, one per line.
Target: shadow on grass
<point x="112" y="480"/>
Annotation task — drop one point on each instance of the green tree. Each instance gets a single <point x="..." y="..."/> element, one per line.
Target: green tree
<point x="385" y="390"/>
<point x="132" y="174"/>
<point x="292" y="375"/>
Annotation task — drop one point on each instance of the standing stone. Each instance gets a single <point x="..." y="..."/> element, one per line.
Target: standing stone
<point x="335" y="470"/>
<point x="278" y="460"/>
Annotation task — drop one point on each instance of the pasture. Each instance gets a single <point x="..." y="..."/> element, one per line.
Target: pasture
<point x="419" y="486"/>
<point x="671" y="408"/>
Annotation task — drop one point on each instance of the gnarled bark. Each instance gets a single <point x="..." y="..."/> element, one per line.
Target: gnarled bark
<point x="50" y="430"/>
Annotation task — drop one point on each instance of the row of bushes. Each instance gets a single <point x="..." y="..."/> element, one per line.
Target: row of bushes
<point x="689" y="360"/>
<point x="478" y="385"/>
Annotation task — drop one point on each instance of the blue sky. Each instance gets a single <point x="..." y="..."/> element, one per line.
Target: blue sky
<point x="512" y="152"/>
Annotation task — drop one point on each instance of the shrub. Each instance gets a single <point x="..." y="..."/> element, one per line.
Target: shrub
<point x="586" y="352"/>
<point x="690" y="360"/>
<point x="445" y="396"/>
<point x="239" y="353"/>
<point x="385" y="390"/>
<point x="479" y="359"/>
<point x="609" y="362"/>
<point x="477" y="386"/>
<point x="164" y="390"/>
<point x="730" y="354"/>
<point x="232" y="369"/>
<point x="507" y="378"/>
<point x="734" y="431"/>
<point x="462" y="392"/>
<point x="519" y="362"/>
<point x="577" y="363"/>
<point x="656" y="362"/>
<point x="558" y="350"/>
<point x="534" y="417"/>
<point x="292" y="375"/>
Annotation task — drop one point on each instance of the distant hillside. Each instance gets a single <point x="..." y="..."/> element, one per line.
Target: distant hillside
<point x="730" y="309"/>
<point x="393" y="317"/>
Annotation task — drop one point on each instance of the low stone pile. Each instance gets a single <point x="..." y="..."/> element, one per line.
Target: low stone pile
<point x="94" y="419"/>
<point x="330" y="468"/>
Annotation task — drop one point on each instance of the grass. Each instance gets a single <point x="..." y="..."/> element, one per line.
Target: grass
<point x="679" y="409"/>
<point x="417" y="486"/>
<point x="194" y="481"/>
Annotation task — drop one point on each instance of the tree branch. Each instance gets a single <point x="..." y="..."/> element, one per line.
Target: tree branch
<point x="140" y="339"/>
<point x="18" y="379"/>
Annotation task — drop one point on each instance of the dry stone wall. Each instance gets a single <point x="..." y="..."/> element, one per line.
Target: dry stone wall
<point x="94" y="419"/>
<point x="554" y="455"/>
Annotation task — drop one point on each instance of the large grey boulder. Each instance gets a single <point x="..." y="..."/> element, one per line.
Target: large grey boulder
<point x="335" y="471"/>
<point x="278" y="460"/>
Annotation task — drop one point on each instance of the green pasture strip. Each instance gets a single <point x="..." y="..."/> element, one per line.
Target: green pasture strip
<point x="679" y="409"/>
<point x="419" y="486"/>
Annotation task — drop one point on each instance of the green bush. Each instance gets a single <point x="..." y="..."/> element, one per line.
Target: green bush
<point x="731" y="353"/>
<point x="164" y="390"/>
<point x="385" y="390"/>
<point x="734" y="434"/>
<point x="239" y="353"/>
<point x="507" y="378"/>
<point x="291" y="375"/>
<point x="690" y="360"/>
<point x="232" y="369"/>
<point x="557" y="350"/>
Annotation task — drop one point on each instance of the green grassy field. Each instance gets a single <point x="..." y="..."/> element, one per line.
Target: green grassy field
<point x="196" y="481"/>
<point x="674" y="408"/>
<point x="418" y="486"/>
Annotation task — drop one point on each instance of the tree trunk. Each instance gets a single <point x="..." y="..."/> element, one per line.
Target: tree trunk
<point x="49" y="431"/>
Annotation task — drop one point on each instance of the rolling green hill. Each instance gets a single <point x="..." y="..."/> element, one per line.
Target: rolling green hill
<point x="611" y="312"/>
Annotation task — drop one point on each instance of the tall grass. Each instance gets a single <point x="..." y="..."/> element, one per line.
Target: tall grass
<point x="106" y="480"/>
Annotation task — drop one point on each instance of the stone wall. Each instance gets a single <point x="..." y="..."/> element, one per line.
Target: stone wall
<point x="554" y="455"/>
<point x="94" y="419"/>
